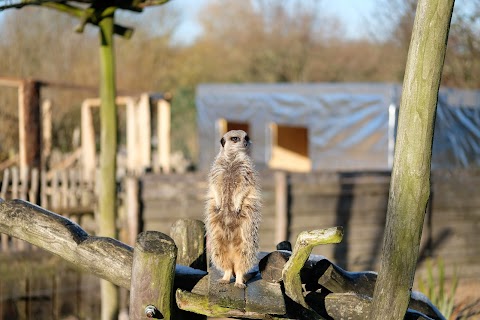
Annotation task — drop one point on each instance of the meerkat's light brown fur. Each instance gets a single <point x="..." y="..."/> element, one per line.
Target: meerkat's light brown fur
<point x="233" y="208"/>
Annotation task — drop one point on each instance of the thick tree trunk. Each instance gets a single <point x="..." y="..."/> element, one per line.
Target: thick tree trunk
<point x="108" y="153"/>
<point x="410" y="184"/>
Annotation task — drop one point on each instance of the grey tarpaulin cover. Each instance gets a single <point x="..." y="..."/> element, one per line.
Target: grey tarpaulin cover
<point x="351" y="126"/>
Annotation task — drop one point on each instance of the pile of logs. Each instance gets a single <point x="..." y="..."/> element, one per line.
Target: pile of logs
<point x="169" y="277"/>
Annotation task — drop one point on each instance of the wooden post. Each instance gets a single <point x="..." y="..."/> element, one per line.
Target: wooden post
<point x="29" y="116"/>
<point x="163" y="132"/>
<point x="281" y="210"/>
<point x="189" y="236"/>
<point x="107" y="203"/>
<point x="410" y="184"/>
<point x="143" y="129"/>
<point x="46" y="132"/>
<point x="133" y="208"/>
<point x="88" y="142"/>
<point x="153" y="272"/>
<point x="132" y="138"/>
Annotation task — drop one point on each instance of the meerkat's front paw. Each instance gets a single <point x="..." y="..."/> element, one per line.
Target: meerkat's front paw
<point x="240" y="285"/>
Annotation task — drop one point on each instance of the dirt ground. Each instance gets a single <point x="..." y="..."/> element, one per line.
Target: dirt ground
<point x="467" y="300"/>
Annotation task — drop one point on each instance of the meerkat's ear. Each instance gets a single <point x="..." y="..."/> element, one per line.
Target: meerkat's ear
<point x="222" y="142"/>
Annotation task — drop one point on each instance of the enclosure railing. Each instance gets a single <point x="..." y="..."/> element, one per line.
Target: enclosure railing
<point x="165" y="277"/>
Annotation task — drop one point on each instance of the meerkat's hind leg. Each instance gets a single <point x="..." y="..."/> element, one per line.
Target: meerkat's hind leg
<point x="239" y="281"/>
<point x="226" y="276"/>
<point x="239" y="271"/>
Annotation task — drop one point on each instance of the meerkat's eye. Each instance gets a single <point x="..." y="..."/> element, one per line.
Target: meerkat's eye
<point x="235" y="139"/>
<point x="247" y="138"/>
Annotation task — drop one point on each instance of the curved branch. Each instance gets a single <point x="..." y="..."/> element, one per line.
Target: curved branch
<point x="306" y="241"/>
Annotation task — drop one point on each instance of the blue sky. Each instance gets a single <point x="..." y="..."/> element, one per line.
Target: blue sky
<point x="352" y="14"/>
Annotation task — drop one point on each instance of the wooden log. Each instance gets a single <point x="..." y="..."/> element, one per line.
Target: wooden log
<point x="263" y="297"/>
<point x="112" y="260"/>
<point x="153" y="273"/>
<point x="271" y="266"/>
<point x="355" y="306"/>
<point x="318" y="270"/>
<point x="306" y="241"/>
<point x="189" y="236"/>
<point x="226" y="295"/>
<point x="337" y="280"/>
<point x="105" y="257"/>
<point x="200" y="304"/>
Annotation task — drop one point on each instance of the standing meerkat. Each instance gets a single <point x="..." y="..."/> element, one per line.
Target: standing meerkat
<point x="233" y="208"/>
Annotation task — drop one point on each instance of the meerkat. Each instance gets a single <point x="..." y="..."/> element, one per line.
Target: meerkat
<point x="233" y="209"/>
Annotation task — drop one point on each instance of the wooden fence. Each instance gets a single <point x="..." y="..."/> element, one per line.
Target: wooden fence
<point x="62" y="191"/>
<point x="164" y="284"/>
<point x="35" y="284"/>
<point x="357" y="201"/>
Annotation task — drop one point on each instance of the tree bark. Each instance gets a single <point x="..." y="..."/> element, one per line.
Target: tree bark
<point x="108" y="154"/>
<point x="410" y="183"/>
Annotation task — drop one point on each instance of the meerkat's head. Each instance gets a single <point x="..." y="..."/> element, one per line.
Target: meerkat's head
<point x="235" y="141"/>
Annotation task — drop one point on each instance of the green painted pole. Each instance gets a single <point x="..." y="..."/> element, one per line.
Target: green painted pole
<point x="410" y="182"/>
<point x="108" y="153"/>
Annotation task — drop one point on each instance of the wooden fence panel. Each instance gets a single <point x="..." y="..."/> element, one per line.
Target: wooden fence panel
<point x="357" y="201"/>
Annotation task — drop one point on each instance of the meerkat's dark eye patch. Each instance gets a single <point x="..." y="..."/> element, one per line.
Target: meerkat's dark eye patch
<point x="247" y="138"/>
<point x="235" y="139"/>
<point x="222" y="142"/>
